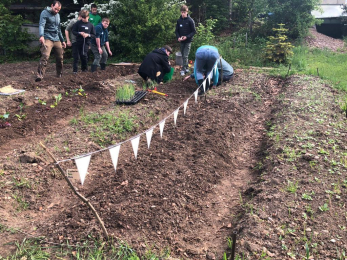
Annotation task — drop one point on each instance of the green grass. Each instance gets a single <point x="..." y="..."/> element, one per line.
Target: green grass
<point x="108" y="127"/>
<point x="93" y="248"/>
<point x="328" y="65"/>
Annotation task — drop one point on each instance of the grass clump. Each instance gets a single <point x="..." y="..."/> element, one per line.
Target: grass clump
<point x="109" y="127"/>
<point x="125" y="92"/>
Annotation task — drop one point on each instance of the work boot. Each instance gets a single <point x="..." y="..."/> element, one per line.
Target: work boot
<point x="201" y="89"/>
<point x="103" y="66"/>
<point x="94" y="68"/>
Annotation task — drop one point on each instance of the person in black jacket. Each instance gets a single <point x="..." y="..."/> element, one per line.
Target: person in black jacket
<point x="185" y="30"/>
<point x="155" y="65"/>
<point x="84" y="31"/>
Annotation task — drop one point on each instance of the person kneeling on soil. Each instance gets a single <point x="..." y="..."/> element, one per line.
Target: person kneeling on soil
<point x="224" y="68"/>
<point x="99" y="43"/>
<point x="84" y="31"/>
<point x="205" y="58"/>
<point x="155" y="65"/>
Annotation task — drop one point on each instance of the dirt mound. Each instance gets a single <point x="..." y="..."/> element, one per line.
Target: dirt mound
<point x="321" y="41"/>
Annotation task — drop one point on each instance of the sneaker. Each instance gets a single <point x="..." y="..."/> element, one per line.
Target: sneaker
<point x="183" y="73"/>
<point x="186" y="71"/>
<point x="39" y="78"/>
<point x="75" y="72"/>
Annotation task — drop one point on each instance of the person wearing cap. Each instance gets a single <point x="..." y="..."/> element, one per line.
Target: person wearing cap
<point x="155" y="65"/>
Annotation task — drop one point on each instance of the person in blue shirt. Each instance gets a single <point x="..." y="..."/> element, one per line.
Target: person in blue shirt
<point x="224" y="68"/>
<point x="50" y="38"/>
<point x="99" y="44"/>
<point x="206" y="57"/>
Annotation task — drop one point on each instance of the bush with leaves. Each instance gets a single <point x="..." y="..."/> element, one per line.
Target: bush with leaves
<point x="13" y="38"/>
<point x="278" y="49"/>
<point x="141" y="26"/>
<point x="204" y="36"/>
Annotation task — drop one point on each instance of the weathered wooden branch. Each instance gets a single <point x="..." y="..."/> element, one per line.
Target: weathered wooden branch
<point x="86" y="201"/>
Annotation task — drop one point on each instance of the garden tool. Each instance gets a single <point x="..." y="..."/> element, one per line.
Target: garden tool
<point x="157" y="92"/>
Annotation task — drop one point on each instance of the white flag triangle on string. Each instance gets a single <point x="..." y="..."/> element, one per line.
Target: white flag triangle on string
<point x="161" y="127"/>
<point x="196" y="95"/>
<point x="82" y="164"/>
<point x="135" y="143"/>
<point x="204" y="85"/>
<point x="215" y="68"/>
<point x="149" y="134"/>
<point x="185" y="104"/>
<point x="175" y="115"/>
<point x="114" y="152"/>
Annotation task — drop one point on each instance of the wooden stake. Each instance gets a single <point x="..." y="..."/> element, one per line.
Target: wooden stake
<point x="86" y="201"/>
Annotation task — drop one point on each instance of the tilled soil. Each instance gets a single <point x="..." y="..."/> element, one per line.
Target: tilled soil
<point x="188" y="192"/>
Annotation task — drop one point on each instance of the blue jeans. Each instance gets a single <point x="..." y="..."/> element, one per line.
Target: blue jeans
<point x="205" y="59"/>
<point x="185" y="49"/>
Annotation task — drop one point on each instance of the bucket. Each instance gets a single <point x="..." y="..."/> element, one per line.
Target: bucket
<point x="179" y="59"/>
<point x="168" y="76"/>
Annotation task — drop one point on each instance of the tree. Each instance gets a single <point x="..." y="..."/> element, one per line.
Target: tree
<point x="143" y="25"/>
<point x="13" y="39"/>
<point x="295" y="14"/>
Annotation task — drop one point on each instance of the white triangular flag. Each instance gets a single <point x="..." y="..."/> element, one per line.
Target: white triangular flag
<point x="185" y="104"/>
<point x="204" y="85"/>
<point x="196" y="95"/>
<point x="215" y="68"/>
<point x="149" y="134"/>
<point x="175" y="115"/>
<point x="161" y="127"/>
<point x="82" y="166"/>
<point x="135" y="143"/>
<point x="114" y="152"/>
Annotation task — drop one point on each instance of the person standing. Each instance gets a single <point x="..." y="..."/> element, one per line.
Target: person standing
<point x="94" y="18"/>
<point x="69" y="35"/>
<point x="84" y="31"/>
<point x="155" y="65"/>
<point x="98" y="45"/>
<point x="50" y="38"/>
<point x="185" y="30"/>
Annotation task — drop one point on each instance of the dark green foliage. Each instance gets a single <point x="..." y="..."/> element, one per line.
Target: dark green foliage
<point x="13" y="39"/>
<point x="204" y="36"/>
<point x="143" y="25"/>
<point x="218" y="10"/>
<point x="295" y="14"/>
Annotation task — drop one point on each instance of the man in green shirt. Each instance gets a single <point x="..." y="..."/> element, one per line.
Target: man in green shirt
<point x="94" y="18"/>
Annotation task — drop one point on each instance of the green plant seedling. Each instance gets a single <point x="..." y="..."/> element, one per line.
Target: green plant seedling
<point x="42" y="102"/>
<point x="126" y="92"/>
<point x="324" y="207"/>
<point x="292" y="187"/>
<point x="57" y="100"/>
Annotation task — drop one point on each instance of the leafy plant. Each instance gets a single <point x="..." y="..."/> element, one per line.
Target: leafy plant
<point x="125" y="92"/>
<point x="57" y="100"/>
<point x="278" y="49"/>
<point x="343" y="105"/>
<point x="204" y="36"/>
<point x="324" y="207"/>
<point x="4" y="116"/>
<point x="42" y="102"/>
<point x="292" y="187"/>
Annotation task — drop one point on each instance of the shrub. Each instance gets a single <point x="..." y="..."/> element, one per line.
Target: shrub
<point x="277" y="48"/>
<point x="13" y="39"/>
<point x="203" y="36"/>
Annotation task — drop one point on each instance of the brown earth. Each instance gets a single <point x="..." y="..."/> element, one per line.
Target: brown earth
<point x="218" y="171"/>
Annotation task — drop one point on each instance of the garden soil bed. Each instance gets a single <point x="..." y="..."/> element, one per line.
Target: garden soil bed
<point x="205" y="178"/>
